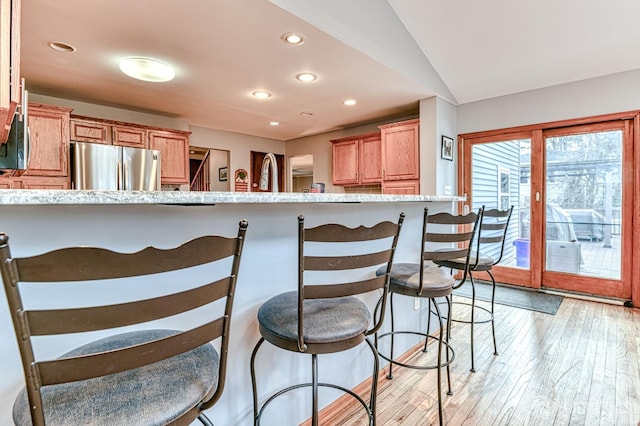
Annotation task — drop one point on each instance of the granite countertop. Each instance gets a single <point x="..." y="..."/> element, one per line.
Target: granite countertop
<point x="70" y="197"/>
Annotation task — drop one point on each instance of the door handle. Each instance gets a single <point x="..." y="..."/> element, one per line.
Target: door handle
<point x="538" y="196"/>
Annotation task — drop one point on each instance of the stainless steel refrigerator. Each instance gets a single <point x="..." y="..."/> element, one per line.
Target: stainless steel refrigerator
<point x="109" y="167"/>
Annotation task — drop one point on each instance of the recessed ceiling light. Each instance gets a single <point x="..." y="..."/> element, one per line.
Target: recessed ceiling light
<point x="295" y="39"/>
<point x="147" y="69"/>
<point x="350" y="102"/>
<point x="62" y="47"/>
<point x="274" y="123"/>
<point x="261" y="94"/>
<point x="306" y="114"/>
<point x="306" y="76"/>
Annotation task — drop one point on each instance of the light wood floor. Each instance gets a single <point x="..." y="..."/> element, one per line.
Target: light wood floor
<point x="578" y="367"/>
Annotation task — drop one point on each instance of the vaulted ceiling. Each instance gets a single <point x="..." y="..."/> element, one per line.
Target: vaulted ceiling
<point x="385" y="54"/>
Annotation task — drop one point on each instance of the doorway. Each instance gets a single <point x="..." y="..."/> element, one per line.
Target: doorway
<point x="301" y="173"/>
<point x="572" y="191"/>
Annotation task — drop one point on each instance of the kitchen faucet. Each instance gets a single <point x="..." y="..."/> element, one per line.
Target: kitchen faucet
<point x="269" y="160"/>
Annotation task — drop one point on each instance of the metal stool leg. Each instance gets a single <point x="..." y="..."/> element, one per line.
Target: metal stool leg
<point x="473" y="319"/>
<point x="314" y="386"/>
<point x="440" y="413"/>
<point x="449" y="306"/>
<point x="426" y="340"/>
<point x="374" y="385"/>
<point x="390" y="375"/>
<point x="253" y="381"/>
<point x="493" y="321"/>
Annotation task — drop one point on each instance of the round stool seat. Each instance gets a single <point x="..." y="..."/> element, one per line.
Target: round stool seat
<point x="330" y="325"/>
<point x="154" y="394"/>
<point x="405" y="280"/>
<point x="481" y="263"/>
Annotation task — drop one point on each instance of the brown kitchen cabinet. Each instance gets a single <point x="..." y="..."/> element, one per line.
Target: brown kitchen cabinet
<point x="89" y="131"/>
<point x="110" y="133"/>
<point x="356" y="160"/>
<point x="48" y="140"/>
<point x="401" y="187"/>
<point x="174" y="155"/>
<point x="34" y="182"/>
<point x="400" y="150"/>
<point x="10" y="90"/>
<point x="135" y="137"/>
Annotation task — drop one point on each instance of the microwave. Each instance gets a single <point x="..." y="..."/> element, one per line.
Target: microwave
<point x="14" y="154"/>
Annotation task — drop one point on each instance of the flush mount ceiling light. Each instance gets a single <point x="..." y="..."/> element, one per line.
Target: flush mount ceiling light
<point x="274" y="123"/>
<point x="261" y="94"/>
<point x="61" y="47"/>
<point x="295" y="39"/>
<point x="350" y="102"/>
<point x="306" y="76"/>
<point x="306" y="114"/>
<point x="147" y="69"/>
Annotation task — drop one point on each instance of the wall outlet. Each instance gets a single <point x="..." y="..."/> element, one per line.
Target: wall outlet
<point x="447" y="190"/>
<point x="416" y="303"/>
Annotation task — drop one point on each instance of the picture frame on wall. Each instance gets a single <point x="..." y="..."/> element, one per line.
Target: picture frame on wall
<point x="446" y="152"/>
<point x="223" y="174"/>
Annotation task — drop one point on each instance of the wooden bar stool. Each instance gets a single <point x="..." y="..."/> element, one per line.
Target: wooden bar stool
<point x="328" y="318"/>
<point x="444" y="236"/>
<point x="145" y="375"/>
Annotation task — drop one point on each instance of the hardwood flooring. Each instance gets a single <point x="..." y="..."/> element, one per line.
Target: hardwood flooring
<point x="578" y="367"/>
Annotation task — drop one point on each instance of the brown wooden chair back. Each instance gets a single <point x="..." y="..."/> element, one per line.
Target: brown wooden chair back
<point x="88" y="264"/>
<point x="493" y="230"/>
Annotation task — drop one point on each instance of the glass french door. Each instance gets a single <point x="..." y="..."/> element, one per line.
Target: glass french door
<point x="572" y="191"/>
<point x="587" y="199"/>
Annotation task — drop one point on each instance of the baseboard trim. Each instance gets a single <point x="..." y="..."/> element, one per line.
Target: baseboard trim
<point x="345" y="401"/>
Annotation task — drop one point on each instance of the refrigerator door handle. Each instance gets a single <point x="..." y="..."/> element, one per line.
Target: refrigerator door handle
<point x="119" y="173"/>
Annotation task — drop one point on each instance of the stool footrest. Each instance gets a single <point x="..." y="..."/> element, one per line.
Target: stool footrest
<point x="326" y="385"/>
<point x="452" y="354"/>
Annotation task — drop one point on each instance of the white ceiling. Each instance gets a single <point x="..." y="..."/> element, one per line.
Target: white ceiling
<point x="387" y="54"/>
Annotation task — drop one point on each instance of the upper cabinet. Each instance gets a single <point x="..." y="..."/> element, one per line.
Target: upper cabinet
<point x="85" y="129"/>
<point x="400" y="150"/>
<point x="48" y="141"/>
<point x="172" y="144"/>
<point x="356" y="160"/>
<point x="174" y="155"/>
<point x="10" y="91"/>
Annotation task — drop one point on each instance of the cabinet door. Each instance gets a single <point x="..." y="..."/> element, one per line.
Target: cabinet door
<point x="10" y="91"/>
<point x="174" y="156"/>
<point x="401" y="187"/>
<point x="89" y="131"/>
<point x="44" y="183"/>
<point x="49" y="141"/>
<point x="370" y="160"/>
<point x="135" y="137"/>
<point x="400" y="157"/>
<point x="345" y="162"/>
<point x="5" y="183"/>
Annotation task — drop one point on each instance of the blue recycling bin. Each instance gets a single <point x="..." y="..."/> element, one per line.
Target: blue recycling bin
<point x="522" y="252"/>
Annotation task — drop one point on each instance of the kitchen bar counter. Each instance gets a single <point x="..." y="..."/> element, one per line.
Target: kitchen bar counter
<point x="39" y="221"/>
<point x="27" y="197"/>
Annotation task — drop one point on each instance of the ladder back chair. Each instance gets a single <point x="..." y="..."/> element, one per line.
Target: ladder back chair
<point x="491" y="236"/>
<point x="323" y="315"/>
<point x="444" y="236"/>
<point x="139" y="375"/>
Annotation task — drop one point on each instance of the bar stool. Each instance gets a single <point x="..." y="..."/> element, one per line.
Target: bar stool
<point x="138" y="376"/>
<point x="491" y="236"/>
<point x="328" y="318"/>
<point x="444" y="236"/>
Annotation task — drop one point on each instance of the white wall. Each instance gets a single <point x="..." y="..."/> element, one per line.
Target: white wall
<point x="109" y="113"/>
<point x="219" y="158"/>
<point x="596" y="96"/>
